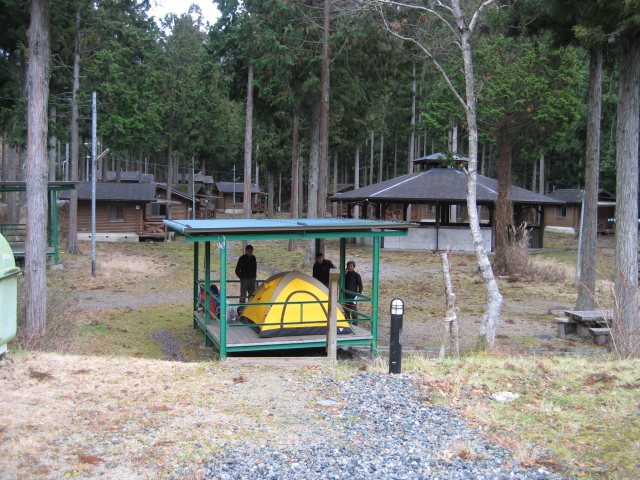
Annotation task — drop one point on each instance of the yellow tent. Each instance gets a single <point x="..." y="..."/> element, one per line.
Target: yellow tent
<point x="290" y="316"/>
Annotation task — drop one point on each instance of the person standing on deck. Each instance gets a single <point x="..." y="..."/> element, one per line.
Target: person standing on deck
<point x="246" y="270"/>
<point x="322" y="268"/>
<point x="352" y="283"/>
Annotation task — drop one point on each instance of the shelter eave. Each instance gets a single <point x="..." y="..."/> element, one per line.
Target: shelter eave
<point x="280" y="228"/>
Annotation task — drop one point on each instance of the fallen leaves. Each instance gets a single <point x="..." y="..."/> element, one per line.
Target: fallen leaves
<point x="40" y="376"/>
<point x="82" y="370"/>
<point x="89" y="459"/>
<point x="600" y="377"/>
<point x="240" y="379"/>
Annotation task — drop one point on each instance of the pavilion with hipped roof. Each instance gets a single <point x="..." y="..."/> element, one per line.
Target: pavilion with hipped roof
<point x="234" y="337"/>
<point x="436" y="198"/>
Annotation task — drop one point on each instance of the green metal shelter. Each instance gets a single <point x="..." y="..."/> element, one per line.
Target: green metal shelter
<point x="15" y="233"/>
<point x="238" y="337"/>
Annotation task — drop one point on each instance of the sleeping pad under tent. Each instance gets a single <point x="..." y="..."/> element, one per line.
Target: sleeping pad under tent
<point x="229" y="336"/>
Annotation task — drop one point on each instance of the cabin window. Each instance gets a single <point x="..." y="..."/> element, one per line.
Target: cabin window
<point x="158" y="210"/>
<point x="116" y="213"/>
<point x="561" y="212"/>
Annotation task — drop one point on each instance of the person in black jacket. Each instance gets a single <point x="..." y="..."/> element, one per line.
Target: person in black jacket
<point x="246" y="270"/>
<point x="353" y="283"/>
<point x="321" y="269"/>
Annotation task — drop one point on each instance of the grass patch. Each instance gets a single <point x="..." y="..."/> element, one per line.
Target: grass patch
<point x="131" y="333"/>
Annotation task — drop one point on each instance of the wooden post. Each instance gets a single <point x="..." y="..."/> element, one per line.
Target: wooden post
<point x="332" y="323"/>
<point x="450" y="334"/>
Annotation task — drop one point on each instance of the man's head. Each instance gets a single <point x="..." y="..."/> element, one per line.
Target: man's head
<point x="351" y="266"/>
<point x="249" y="250"/>
<point x="319" y="257"/>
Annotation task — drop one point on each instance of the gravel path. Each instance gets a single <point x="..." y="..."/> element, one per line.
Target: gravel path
<point x="376" y="429"/>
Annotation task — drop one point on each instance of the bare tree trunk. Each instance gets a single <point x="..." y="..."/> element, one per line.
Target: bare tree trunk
<point x="626" y="331"/>
<point x="381" y="157"/>
<point x="12" y="200"/>
<point x="300" y="183"/>
<point x="487" y="335"/>
<point x="412" y="144"/>
<point x="356" y="181"/>
<point x="314" y="165"/>
<point x="37" y="169"/>
<point x="450" y="333"/>
<point x="323" y="161"/>
<point x="542" y="179"/>
<point x="294" y="177"/>
<point x="271" y="190"/>
<point x="587" y="284"/>
<point x="335" y="181"/>
<point x="504" y="206"/>
<point x="371" y="159"/>
<point x="72" y="240"/>
<point x="248" y="142"/>
<point x="52" y="143"/>
<point x="169" y="174"/>
<point x="395" y="157"/>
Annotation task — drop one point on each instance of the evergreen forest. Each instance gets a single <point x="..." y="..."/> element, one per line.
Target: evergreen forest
<point x="172" y="93"/>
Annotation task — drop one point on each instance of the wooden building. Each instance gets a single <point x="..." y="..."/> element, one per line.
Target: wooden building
<point x="567" y="217"/>
<point x="128" y="212"/>
<point x="231" y="197"/>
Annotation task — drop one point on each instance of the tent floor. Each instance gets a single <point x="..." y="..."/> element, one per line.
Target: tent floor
<point x="245" y="338"/>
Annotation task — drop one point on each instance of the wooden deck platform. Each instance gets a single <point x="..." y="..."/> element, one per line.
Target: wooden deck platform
<point x="241" y="337"/>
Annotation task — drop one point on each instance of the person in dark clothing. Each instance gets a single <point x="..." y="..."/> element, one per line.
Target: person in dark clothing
<point x="352" y="283"/>
<point x="321" y="269"/>
<point x="246" y="270"/>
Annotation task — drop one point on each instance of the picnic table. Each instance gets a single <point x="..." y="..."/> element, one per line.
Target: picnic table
<point x="586" y="323"/>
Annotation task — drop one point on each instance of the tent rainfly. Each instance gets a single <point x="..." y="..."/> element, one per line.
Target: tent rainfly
<point x="291" y="303"/>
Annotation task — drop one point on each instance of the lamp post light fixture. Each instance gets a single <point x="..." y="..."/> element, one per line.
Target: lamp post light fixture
<point x="395" y="345"/>
<point x="397" y="306"/>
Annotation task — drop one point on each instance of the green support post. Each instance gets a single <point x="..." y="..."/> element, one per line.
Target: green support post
<point x="343" y="259"/>
<point x="196" y="274"/>
<point x="53" y="208"/>
<point x="223" y="298"/>
<point x="375" y="284"/>
<point x="207" y="283"/>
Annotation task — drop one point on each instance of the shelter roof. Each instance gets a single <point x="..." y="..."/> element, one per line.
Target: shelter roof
<point x="126" y="176"/>
<point x="202" y="178"/>
<point x="134" y="192"/>
<point x="574" y="195"/>
<point x="311" y="227"/>
<point x="21" y="186"/>
<point x="438" y="185"/>
<point x="228" y="187"/>
<point x="340" y="187"/>
<point x="174" y="191"/>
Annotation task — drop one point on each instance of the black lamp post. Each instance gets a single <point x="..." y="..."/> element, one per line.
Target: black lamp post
<point x="395" y="345"/>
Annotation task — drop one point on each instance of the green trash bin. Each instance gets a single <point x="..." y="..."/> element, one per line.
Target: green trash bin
<point x="8" y="295"/>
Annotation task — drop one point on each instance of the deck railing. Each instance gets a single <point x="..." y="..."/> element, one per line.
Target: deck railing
<point x="17" y="233"/>
<point x="363" y="313"/>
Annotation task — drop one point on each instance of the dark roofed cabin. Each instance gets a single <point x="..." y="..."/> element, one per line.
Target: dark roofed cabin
<point x="233" y="197"/>
<point x="127" y="212"/>
<point x="566" y="218"/>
